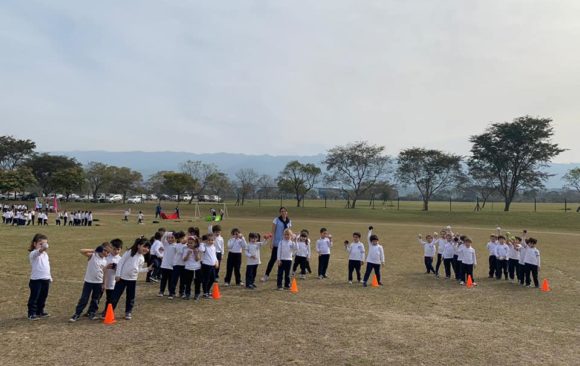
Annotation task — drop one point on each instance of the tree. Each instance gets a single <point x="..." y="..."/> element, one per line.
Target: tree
<point x="44" y="166"/>
<point x="483" y="186"/>
<point x="265" y="186"/>
<point x="572" y="178"/>
<point x="200" y="173"/>
<point x="13" y="152"/>
<point x="356" y="168"/>
<point x="246" y="183"/>
<point x="177" y="183"/>
<point x="298" y="179"/>
<point x="124" y="180"/>
<point x="218" y="183"/>
<point x="98" y="176"/>
<point x="513" y="154"/>
<point x="16" y="180"/>
<point x="428" y="170"/>
<point x="68" y="180"/>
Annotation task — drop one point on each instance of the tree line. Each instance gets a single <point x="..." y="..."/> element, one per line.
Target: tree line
<point x="506" y="158"/>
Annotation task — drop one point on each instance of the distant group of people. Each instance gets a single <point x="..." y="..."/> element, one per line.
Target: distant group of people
<point x="20" y="215"/>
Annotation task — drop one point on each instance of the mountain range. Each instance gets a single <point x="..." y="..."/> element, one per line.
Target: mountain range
<point x="149" y="163"/>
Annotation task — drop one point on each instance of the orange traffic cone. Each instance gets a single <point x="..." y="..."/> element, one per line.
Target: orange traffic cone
<point x="294" y="286"/>
<point x="109" y="315"/>
<point x="469" y="281"/>
<point x="546" y="286"/>
<point x="375" y="283"/>
<point x="215" y="294"/>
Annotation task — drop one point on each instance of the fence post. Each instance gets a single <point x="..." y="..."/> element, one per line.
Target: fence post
<point x="398" y="202"/>
<point x="281" y="205"/>
<point x="449" y="204"/>
<point x="535" y="205"/>
<point x="565" y="205"/>
<point x="324" y="201"/>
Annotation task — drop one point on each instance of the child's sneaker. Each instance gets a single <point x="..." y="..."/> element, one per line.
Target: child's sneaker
<point x="462" y="283"/>
<point x="196" y="298"/>
<point x="380" y="284"/>
<point x="475" y="284"/>
<point x="44" y="315"/>
<point x="280" y="289"/>
<point x="292" y="274"/>
<point x="364" y="284"/>
<point x="160" y="294"/>
<point x="93" y="316"/>
<point x="170" y="297"/>
<point x="302" y="277"/>
<point x="226" y="284"/>
<point x="33" y="317"/>
<point x="350" y="282"/>
<point x="74" y="318"/>
<point x="264" y="278"/>
<point x="128" y="316"/>
<point x="241" y="283"/>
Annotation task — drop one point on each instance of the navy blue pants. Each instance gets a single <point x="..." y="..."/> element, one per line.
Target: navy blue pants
<point x="177" y="275"/>
<point x="207" y="277"/>
<point x="492" y="265"/>
<point x="429" y="265"/>
<point x="300" y="261"/>
<point x="251" y="270"/>
<point x="96" y="290"/>
<point x="323" y="260"/>
<point x="370" y="267"/>
<point x="284" y="272"/>
<point x="354" y="265"/>
<point x="189" y="277"/>
<point x="120" y="287"/>
<point x="38" y="295"/>
<point x="234" y="264"/>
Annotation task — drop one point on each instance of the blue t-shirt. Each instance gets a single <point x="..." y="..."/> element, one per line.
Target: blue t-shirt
<point x="279" y="231"/>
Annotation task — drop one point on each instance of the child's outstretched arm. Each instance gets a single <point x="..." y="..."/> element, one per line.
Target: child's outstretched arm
<point x="87" y="252"/>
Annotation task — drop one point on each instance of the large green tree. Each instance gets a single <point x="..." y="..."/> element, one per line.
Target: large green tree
<point x="298" y="179"/>
<point x="355" y="168"/>
<point x="201" y="175"/>
<point x="572" y="178"/>
<point x="13" y="152"/>
<point x="124" y="180"/>
<point x="513" y="153"/>
<point x="429" y="171"/>
<point x="176" y="183"/>
<point x="246" y="184"/>
<point x="45" y="166"/>
<point x="16" y="180"/>
<point x="68" y="180"/>
<point x="99" y="177"/>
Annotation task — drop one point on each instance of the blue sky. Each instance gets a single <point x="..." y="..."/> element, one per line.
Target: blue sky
<point x="284" y="77"/>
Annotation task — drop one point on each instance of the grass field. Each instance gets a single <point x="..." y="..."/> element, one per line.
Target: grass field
<point x="414" y="319"/>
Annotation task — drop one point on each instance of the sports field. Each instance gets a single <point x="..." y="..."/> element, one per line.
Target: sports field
<point x="414" y="319"/>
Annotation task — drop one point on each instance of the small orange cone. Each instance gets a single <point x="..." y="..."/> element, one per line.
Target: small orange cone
<point x="469" y="281"/>
<point x="294" y="286"/>
<point x="109" y="315"/>
<point x="546" y="286"/>
<point x="375" y="283"/>
<point x="215" y="294"/>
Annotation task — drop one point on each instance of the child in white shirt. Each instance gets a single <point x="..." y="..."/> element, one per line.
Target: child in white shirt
<point x="209" y="263"/>
<point x="253" y="260"/>
<point x="302" y="254"/>
<point x="532" y="263"/>
<point x="429" y="252"/>
<point x="501" y="255"/>
<point x="356" y="256"/>
<point x="323" y="246"/>
<point x="116" y="245"/>
<point x="192" y="271"/>
<point x="40" y="277"/>
<point x="468" y="262"/>
<point x="93" y="284"/>
<point x="286" y="249"/>
<point x="375" y="259"/>
<point x="236" y="246"/>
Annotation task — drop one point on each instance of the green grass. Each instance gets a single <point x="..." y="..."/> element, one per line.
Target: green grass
<point x="414" y="319"/>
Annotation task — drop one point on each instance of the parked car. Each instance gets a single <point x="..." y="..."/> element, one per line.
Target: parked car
<point x="203" y="198"/>
<point x="214" y="198"/>
<point x="135" y="199"/>
<point x="115" y="198"/>
<point x="152" y="197"/>
<point x="186" y="197"/>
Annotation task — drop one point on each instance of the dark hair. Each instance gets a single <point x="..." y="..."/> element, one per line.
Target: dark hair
<point x="305" y="231"/>
<point x="356" y="233"/>
<point x="346" y="242"/>
<point x="501" y="237"/>
<point x="179" y="235"/>
<point x="206" y="237"/>
<point x="518" y="238"/>
<point x="117" y="243"/>
<point x="100" y="249"/>
<point x="161" y="229"/>
<point x="235" y="231"/>
<point x="456" y="239"/>
<point x="254" y="236"/>
<point x="322" y="229"/>
<point x="462" y="237"/>
<point x="216" y="228"/>
<point x="139" y="242"/>
<point x="282" y="208"/>
<point x="157" y="235"/>
<point x="532" y="241"/>
<point x="374" y="237"/>
<point x="193" y="230"/>
<point x="35" y="239"/>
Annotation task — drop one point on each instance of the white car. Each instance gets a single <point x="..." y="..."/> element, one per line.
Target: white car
<point x="135" y="199"/>
<point x="185" y="197"/>
<point x="115" y="198"/>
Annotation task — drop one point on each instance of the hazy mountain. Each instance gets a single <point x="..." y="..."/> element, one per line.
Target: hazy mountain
<point x="150" y="162"/>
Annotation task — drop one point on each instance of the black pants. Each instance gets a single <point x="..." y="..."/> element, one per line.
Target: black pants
<point x="467" y="270"/>
<point x="120" y="287"/>
<point x="217" y="270"/>
<point x="533" y="270"/>
<point x="108" y="299"/>
<point x="370" y="268"/>
<point x="354" y="265"/>
<point x="429" y="265"/>
<point x="439" y="261"/>
<point x="323" y="260"/>
<point x="512" y="266"/>
<point x="300" y="261"/>
<point x="207" y="277"/>
<point x="154" y="272"/>
<point x="492" y="265"/>
<point x="447" y="264"/>
<point x="89" y="288"/>
<point x="190" y="276"/>
<point x="272" y="261"/>
<point x="166" y="275"/>
<point x="284" y="272"/>
<point x="64" y="222"/>
<point x="520" y="272"/>
<point x="38" y="295"/>
<point x="501" y="266"/>
<point x="177" y="275"/>
<point x="251" y="270"/>
<point x="459" y="274"/>
<point x="307" y="265"/>
<point x="234" y="264"/>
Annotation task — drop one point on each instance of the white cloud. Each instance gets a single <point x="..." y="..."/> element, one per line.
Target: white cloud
<point x="285" y="76"/>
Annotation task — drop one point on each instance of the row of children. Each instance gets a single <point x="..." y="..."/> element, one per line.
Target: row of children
<point x="512" y="256"/>
<point x="26" y="218"/>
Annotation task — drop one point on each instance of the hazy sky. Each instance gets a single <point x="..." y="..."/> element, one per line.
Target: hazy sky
<point x="284" y="77"/>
